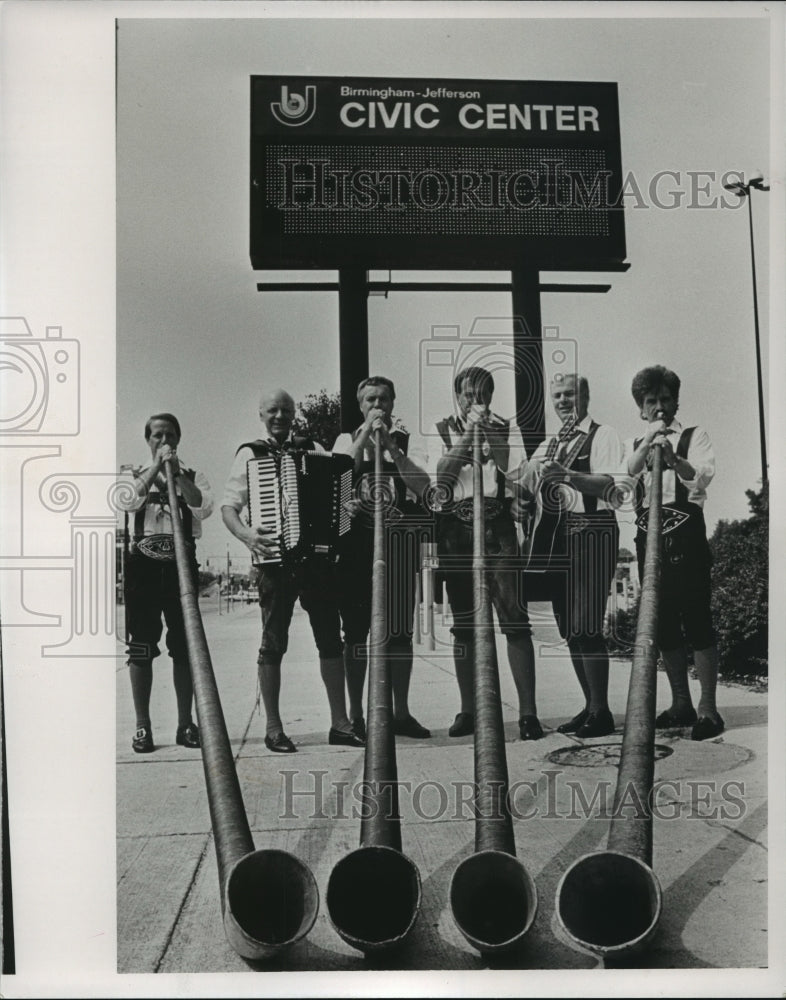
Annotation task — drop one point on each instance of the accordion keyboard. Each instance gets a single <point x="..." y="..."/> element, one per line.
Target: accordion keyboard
<point x="264" y="502"/>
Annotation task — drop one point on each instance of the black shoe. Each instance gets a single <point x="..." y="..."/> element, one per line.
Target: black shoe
<point x="188" y="736"/>
<point x="280" y="743"/>
<point x="143" y="740"/>
<point x="673" y="720"/>
<point x="530" y="728"/>
<point x="598" y="724"/>
<point x="359" y="727"/>
<point x="411" y="727"/>
<point x="337" y="738"/>
<point x="463" y="725"/>
<point x="572" y="725"/>
<point x="706" y="727"/>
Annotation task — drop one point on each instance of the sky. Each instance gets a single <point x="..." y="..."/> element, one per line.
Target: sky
<point x="195" y="337"/>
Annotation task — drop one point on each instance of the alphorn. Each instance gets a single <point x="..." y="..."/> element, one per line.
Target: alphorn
<point x="492" y="896"/>
<point x="609" y="902"/>
<point x="373" y="893"/>
<point x="269" y="898"/>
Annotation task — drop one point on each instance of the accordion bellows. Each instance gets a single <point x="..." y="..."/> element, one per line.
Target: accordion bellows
<point x="301" y="496"/>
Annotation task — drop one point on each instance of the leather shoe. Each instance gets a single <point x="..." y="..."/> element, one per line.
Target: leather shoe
<point x="706" y="727"/>
<point x="143" y="740"/>
<point x="598" y="724"/>
<point x="672" y="720"/>
<point x="280" y="743"/>
<point x="359" y="727"/>
<point x="411" y="727"/>
<point x="530" y="728"/>
<point x="338" y="738"/>
<point x="463" y="725"/>
<point x="188" y="736"/>
<point x="572" y="725"/>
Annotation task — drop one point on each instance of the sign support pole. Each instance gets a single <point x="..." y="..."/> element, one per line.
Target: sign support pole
<point x="352" y="340"/>
<point x="528" y="353"/>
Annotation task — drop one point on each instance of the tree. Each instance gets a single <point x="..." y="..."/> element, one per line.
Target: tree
<point x="740" y="598"/>
<point x="319" y="417"/>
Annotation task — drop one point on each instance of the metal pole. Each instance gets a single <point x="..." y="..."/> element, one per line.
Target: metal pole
<point x="428" y="600"/>
<point x="418" y="597"/>
<point x="528" y="352"/>
<point x="352" y="340"/>
<point x="759" y="385"/>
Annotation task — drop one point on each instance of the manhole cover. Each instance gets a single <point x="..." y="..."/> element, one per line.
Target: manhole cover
<point x="598" y="755"/>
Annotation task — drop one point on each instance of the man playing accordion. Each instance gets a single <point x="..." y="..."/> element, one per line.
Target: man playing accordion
<point x="310" y="579"/>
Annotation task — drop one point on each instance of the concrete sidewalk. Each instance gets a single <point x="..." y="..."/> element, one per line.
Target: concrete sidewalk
<point x="710" y="847"/>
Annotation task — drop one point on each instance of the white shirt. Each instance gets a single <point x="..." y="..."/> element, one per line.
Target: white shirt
<point x="462" y="487"/>
<point x="236" y="488"/>
<point x="606" y="458"/>
<point x="158" y="520"/>
<point x="701" y="456"/>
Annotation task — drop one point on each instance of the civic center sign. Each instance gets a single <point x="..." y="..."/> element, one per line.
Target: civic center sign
<point x="403" y="173"/>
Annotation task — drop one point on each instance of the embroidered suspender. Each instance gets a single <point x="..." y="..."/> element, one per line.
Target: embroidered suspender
<point x="680" y="489"/>
<point x="444" y="428"/>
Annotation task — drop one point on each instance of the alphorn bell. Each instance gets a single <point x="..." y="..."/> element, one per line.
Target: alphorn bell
<point x="373" y="894"/>
<point x="269" y="898"/>
<point x="492" y="896"/>
<point x="609" y="902"/>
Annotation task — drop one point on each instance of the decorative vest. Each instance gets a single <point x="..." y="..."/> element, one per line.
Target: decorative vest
<point x="389" y="469"/>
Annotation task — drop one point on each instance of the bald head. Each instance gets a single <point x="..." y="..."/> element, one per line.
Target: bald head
<point x="277" y="411"/>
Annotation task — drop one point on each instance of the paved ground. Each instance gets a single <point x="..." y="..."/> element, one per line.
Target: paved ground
<point x="710" y="840"/>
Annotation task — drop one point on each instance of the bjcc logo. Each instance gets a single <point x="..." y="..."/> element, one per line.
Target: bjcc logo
<point x="294" y="109"/>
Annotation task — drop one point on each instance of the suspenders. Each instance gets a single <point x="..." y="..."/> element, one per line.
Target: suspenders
<point x="155" y="497"/>
<point x="582" y="464"/>
<point x="450" y="426"/>
<point x="680" y="489"/>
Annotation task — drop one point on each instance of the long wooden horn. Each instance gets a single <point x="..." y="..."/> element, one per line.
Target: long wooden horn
<point x="269" y="898"/>
<point x="492" y="896"/>
<point x="609" y="903"/>
<point x="373" y="894"/>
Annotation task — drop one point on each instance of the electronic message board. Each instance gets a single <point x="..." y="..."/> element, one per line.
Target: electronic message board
<point x="404" y="173"/>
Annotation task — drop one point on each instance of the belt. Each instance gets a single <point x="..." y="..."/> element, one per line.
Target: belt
<point x="158" y="547"/>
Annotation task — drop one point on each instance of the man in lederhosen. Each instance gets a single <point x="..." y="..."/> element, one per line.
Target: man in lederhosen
<point x="312" y="581"/>
<point x="579" y="480"/>
<point x="151" y="582"/>
<point x="452" y="466"/>
<point x="685" y="590"/>
<point x="404" y="522"/>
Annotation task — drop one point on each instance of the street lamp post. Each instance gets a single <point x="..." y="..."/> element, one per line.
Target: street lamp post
<point x="744" y="191"/>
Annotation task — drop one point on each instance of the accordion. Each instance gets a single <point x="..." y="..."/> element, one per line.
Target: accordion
<point x="301" y="496"/>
